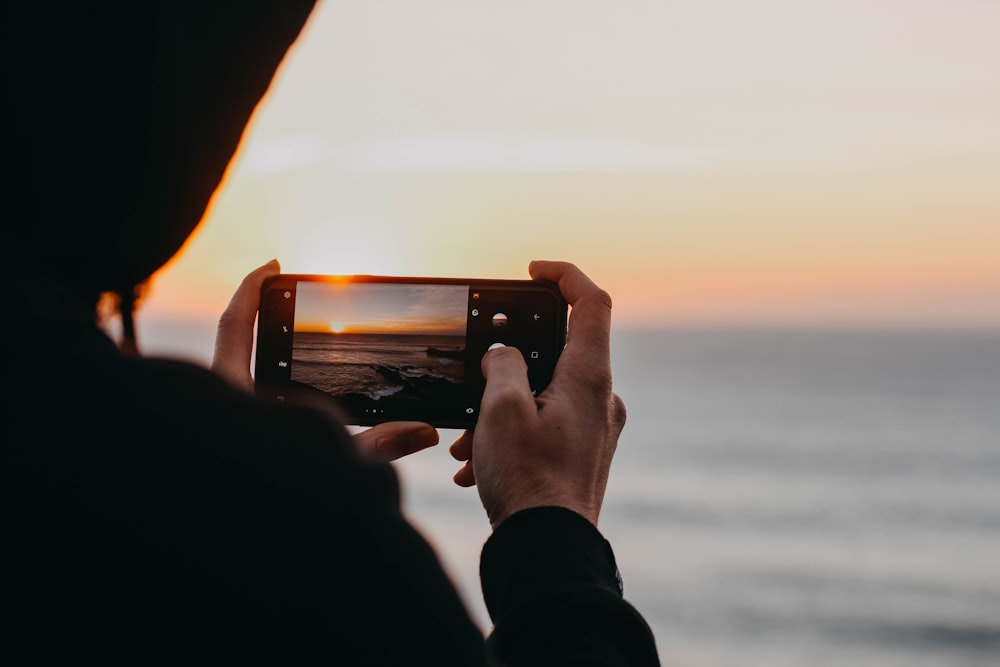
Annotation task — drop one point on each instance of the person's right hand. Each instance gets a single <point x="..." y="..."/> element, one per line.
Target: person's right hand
<point x="554" y="449"/>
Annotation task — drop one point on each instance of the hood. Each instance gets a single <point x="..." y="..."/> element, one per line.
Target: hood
<point x="121" y="120"/>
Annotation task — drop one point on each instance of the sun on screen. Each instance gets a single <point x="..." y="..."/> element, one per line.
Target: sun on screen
<point x="338" y="327"/>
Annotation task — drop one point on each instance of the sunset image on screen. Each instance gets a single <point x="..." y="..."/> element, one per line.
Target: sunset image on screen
<point x="381" y="308"/>
<point x="380" y="346"/>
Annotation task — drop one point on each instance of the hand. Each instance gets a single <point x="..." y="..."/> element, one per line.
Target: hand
<point x="233" y="349"/>
<point x="554" y="449"/>
<point x="234" y="334"/>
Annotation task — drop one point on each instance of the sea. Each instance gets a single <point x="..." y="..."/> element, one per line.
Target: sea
<point x="374" y="365"/>
<point x="788" y="498"/>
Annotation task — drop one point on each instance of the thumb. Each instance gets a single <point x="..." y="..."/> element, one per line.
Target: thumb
<point x="507" y="390"/>
<point x="234" y="335"/>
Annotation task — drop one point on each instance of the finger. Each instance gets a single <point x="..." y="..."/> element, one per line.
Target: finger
<point x="507" y="393"/>
<point x="393" y="440"/>
<point x="461" y="449"/>
<point x="465" y="476"/>
<point x="234" y="335"/>
<point x="590" y="319"/>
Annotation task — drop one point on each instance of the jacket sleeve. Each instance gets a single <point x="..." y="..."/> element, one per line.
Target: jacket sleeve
<point x="553" y="591"/>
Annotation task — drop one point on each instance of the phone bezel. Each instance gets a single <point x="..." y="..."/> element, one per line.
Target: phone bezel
<point x="270" y="383"/>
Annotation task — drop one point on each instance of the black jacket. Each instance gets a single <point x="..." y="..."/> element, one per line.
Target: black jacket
<point x="154" y="512"/>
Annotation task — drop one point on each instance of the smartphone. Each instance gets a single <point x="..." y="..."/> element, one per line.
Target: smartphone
<point x="388" y="348"/>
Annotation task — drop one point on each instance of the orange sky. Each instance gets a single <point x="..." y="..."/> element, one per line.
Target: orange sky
<point x="384" y="308"/>
<point x="724" y="163"/>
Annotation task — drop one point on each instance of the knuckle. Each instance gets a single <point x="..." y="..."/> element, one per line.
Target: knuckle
<point x="619" y="413"/>
<point x="596" y="382"/>
<point x="603" y="297"/>
<point x="380" y="447"/>
<point x="227" y="319"/>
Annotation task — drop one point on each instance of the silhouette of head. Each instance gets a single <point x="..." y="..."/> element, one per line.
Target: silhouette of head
<point x="123" y="117"/>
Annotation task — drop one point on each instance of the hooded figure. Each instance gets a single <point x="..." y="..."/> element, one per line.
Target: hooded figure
<point x="152" y="511"/>
<point x="123" y="117"/>
<point x="144" y="521"/>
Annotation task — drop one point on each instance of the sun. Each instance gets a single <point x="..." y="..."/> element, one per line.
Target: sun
<point x="337" y="327"/>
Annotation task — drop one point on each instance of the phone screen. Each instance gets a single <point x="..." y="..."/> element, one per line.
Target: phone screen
<point x="390" y="348"/>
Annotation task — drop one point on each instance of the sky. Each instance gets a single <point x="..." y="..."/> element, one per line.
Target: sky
<point x="828" y="163"/>
<point x="340" y="307"/>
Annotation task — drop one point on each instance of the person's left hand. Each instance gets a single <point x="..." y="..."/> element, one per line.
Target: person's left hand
<point x="234" y="347"/>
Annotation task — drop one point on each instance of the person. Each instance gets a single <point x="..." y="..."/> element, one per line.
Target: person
<point x="157" y="511"/>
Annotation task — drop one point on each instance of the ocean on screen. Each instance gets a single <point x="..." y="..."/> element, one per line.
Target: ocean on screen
<point x="781" y="498"/>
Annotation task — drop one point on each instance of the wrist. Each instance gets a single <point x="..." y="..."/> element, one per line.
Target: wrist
<point x="589" y="510"/>
<point x="544" y="549"/>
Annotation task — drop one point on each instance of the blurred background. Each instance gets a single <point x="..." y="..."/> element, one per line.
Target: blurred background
<point x="796" y="208"/>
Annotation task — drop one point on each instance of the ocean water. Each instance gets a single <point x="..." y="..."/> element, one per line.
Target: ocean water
<point x="790" y="498"/>
<point x="782" y="498"/>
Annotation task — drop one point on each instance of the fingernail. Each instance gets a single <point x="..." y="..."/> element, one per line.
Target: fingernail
<point x="426" y="437"/>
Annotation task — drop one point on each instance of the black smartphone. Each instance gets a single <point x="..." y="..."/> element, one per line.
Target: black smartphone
<point x="388" y="348"/>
